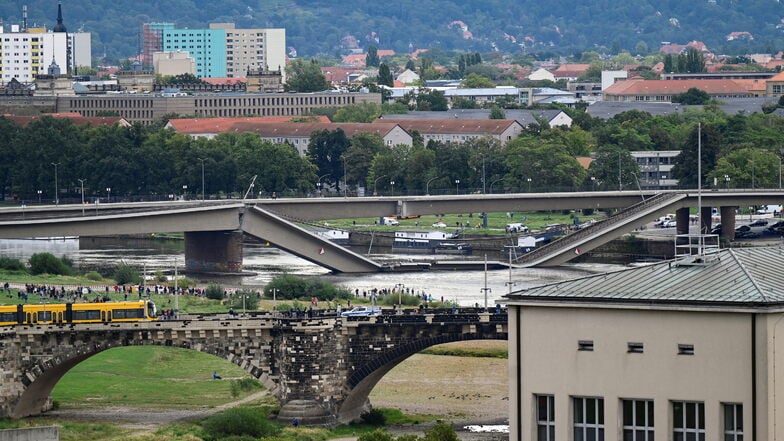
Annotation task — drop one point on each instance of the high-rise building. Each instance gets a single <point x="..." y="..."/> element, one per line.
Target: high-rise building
<point x="253" y="49"/>
<point x="220" y="51"/>
<point x="27" y="52"/>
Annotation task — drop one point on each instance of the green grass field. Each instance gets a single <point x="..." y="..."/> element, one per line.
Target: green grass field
<point x="148" y="376"/>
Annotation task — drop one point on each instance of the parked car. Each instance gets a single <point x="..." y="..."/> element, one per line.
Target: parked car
<point x="361" y="311"/>
<point x="439" y="224"/>
<point x="716" y="230"/>
<point x="746" y="235"/>
<point x="759" y="223"/>
<point x="669" y="224"/>
<point x="742" y="229"/>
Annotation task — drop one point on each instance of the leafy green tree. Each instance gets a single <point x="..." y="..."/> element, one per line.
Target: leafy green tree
<point x="693" y="96"/>
<point x="47" y="263"/>
<point x="372" y="60"/>
<point x="694" y="61"/>
<point x="440" y="432"/>
<point x="411" y="65"/>
<point x="460" y="102"/>
<point x="476" y="81"/>
<point x="613" y="169"/>
<point x="125" y="274"/>
<point x="214" y="291"/>
<point x="549" y="167"/>
<point x="497" y="113"/>
<point x="326" y="150"/>
<point x="685" y="168"/>
<point x="304" y="76"/>
<point x="358" y="113"/>
<point x="746" y="168"/>
<point x="359" y="156"/>
<point x="431" y="100"/>
<point x="385" y="75"/>
<point x="9" y="154"/>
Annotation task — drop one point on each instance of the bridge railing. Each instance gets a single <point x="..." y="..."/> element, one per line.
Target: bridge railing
<point x="573" y="238"/>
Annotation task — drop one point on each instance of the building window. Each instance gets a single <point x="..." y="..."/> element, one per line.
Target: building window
<point x="684" y="349"/>
<point x="638" y="420"/>
<point x="733" y="422"/>
<point x="634" y="347"/>
<point x="585" y="345"/>
<point x="688" y="421"/>
<point x="588" y="419"/>
<point x="545" y="418"/>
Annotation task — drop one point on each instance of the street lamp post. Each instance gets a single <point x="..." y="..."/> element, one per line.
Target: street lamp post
<point x="781" y="151"/>
<point x="184" y="191"/>
<point x="81" y="182"/>
<point x="529" y="184"/>
<point x="457" y="186"/>
<point x="727" y="181"/>
<point x="345" y="177"/>
<point x="56" y="187"/>
<point x="427" y="185"/>
<point x="39" y="197"/>
<point x="392" y="184"/>
<point x="593" y="183"/>
<point x="318" y="184"/>
<point x="202" y="178"/>
<point x="400" y="287"/>
<point x="375" y="181"/>
<point x="108" y="194"/>
<point x="492" y="183"/>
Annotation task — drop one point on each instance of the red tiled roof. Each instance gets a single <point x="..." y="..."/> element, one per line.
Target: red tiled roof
<point x="448" y="126"/>
<point x="193" y="126"/>
<point x="293" y="130"/>
<point x="76" y="118"/>
<point x="674" y="87"/>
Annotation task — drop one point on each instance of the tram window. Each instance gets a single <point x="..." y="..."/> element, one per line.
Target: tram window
<point x="87" y="315"/>
<point x="8" y="317"/>
<point x="45" y="316"/>
<point x="128" y="313"/>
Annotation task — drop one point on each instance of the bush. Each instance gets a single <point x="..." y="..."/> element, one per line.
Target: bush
<point x="374" y="417"/>
<point x="441" y="432"/>
<point x="214" y="291"/>
<point x="243" y="385"/>
<point x="376" y="435"/>
<point x="126" y="274"/>
<point x="251" y="300"/>
<point x="46" y="263"/>
<point x="94" y="276"/>
<point x="10" y="264"/>
<point x="291" y="287"/>
<point x="239" y="422"/>
<point x="160" y="277"/>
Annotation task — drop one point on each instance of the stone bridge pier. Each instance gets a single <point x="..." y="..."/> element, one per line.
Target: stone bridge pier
<point x="322" y="370"/>
<point x="213" y="251"/>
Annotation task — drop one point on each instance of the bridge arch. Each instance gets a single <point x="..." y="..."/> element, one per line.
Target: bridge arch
<point x="58" y="352"/>
<point x="366" y="376"/>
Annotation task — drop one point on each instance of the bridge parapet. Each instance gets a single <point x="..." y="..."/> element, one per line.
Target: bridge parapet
<point x="322" y="369"/>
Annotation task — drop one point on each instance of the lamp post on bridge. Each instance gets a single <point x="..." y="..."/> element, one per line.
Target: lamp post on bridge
<point x="108" y="194"/>
<point x="56" y="186"/>
<point x="727" y="181"/>
<point x="427" y="185"/>
<point x="81" y="182"/>
<point x="375" y="181"/>
<point x="392" y="184"/>
<point x="457" y="186"/>
<point x="493" y="183"/>
<point x="202" y="178"/>
<point x="319" y="186"/>
<point x="529" y="184"/>
<point x="39" y="197"/>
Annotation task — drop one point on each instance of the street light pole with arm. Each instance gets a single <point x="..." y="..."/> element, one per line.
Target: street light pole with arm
<point x="202" y="178"/>
<point x="375" y="181"/>
<point x="427" y="185"/>
<point x="56" y="187"/>
<point x="81" y="182"/>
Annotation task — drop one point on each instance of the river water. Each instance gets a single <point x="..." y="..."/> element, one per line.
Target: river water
<point x="262" y="263"/>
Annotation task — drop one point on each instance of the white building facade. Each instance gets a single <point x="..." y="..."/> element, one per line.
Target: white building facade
<point x="253" y="49"/>
<point x="25" y="54"/>
<point x="683" y="350"/>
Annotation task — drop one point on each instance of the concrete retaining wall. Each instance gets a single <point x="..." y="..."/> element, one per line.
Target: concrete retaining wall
<point x="49" y="433"/>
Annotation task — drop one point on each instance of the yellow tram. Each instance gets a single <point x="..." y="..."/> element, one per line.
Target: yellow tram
<point x="67" y="313"/>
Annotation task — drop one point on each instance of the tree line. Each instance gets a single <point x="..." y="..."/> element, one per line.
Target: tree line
<point x="153" y="163"/>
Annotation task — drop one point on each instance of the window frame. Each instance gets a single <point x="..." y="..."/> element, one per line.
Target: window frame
<point x="584" y="425"/>
<point x="648" y="429"/>
<point x="733" y="431"/>
<point x="548" y="423"/>
<point x="683" y="432"/>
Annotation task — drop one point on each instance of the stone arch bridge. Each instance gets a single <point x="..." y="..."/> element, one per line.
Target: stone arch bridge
<point x="321" y="369"/>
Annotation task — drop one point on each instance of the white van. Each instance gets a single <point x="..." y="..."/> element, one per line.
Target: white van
<point x="769" y="209"/>
<point x="390" y="221"/>
<point x="516" y="228"/>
